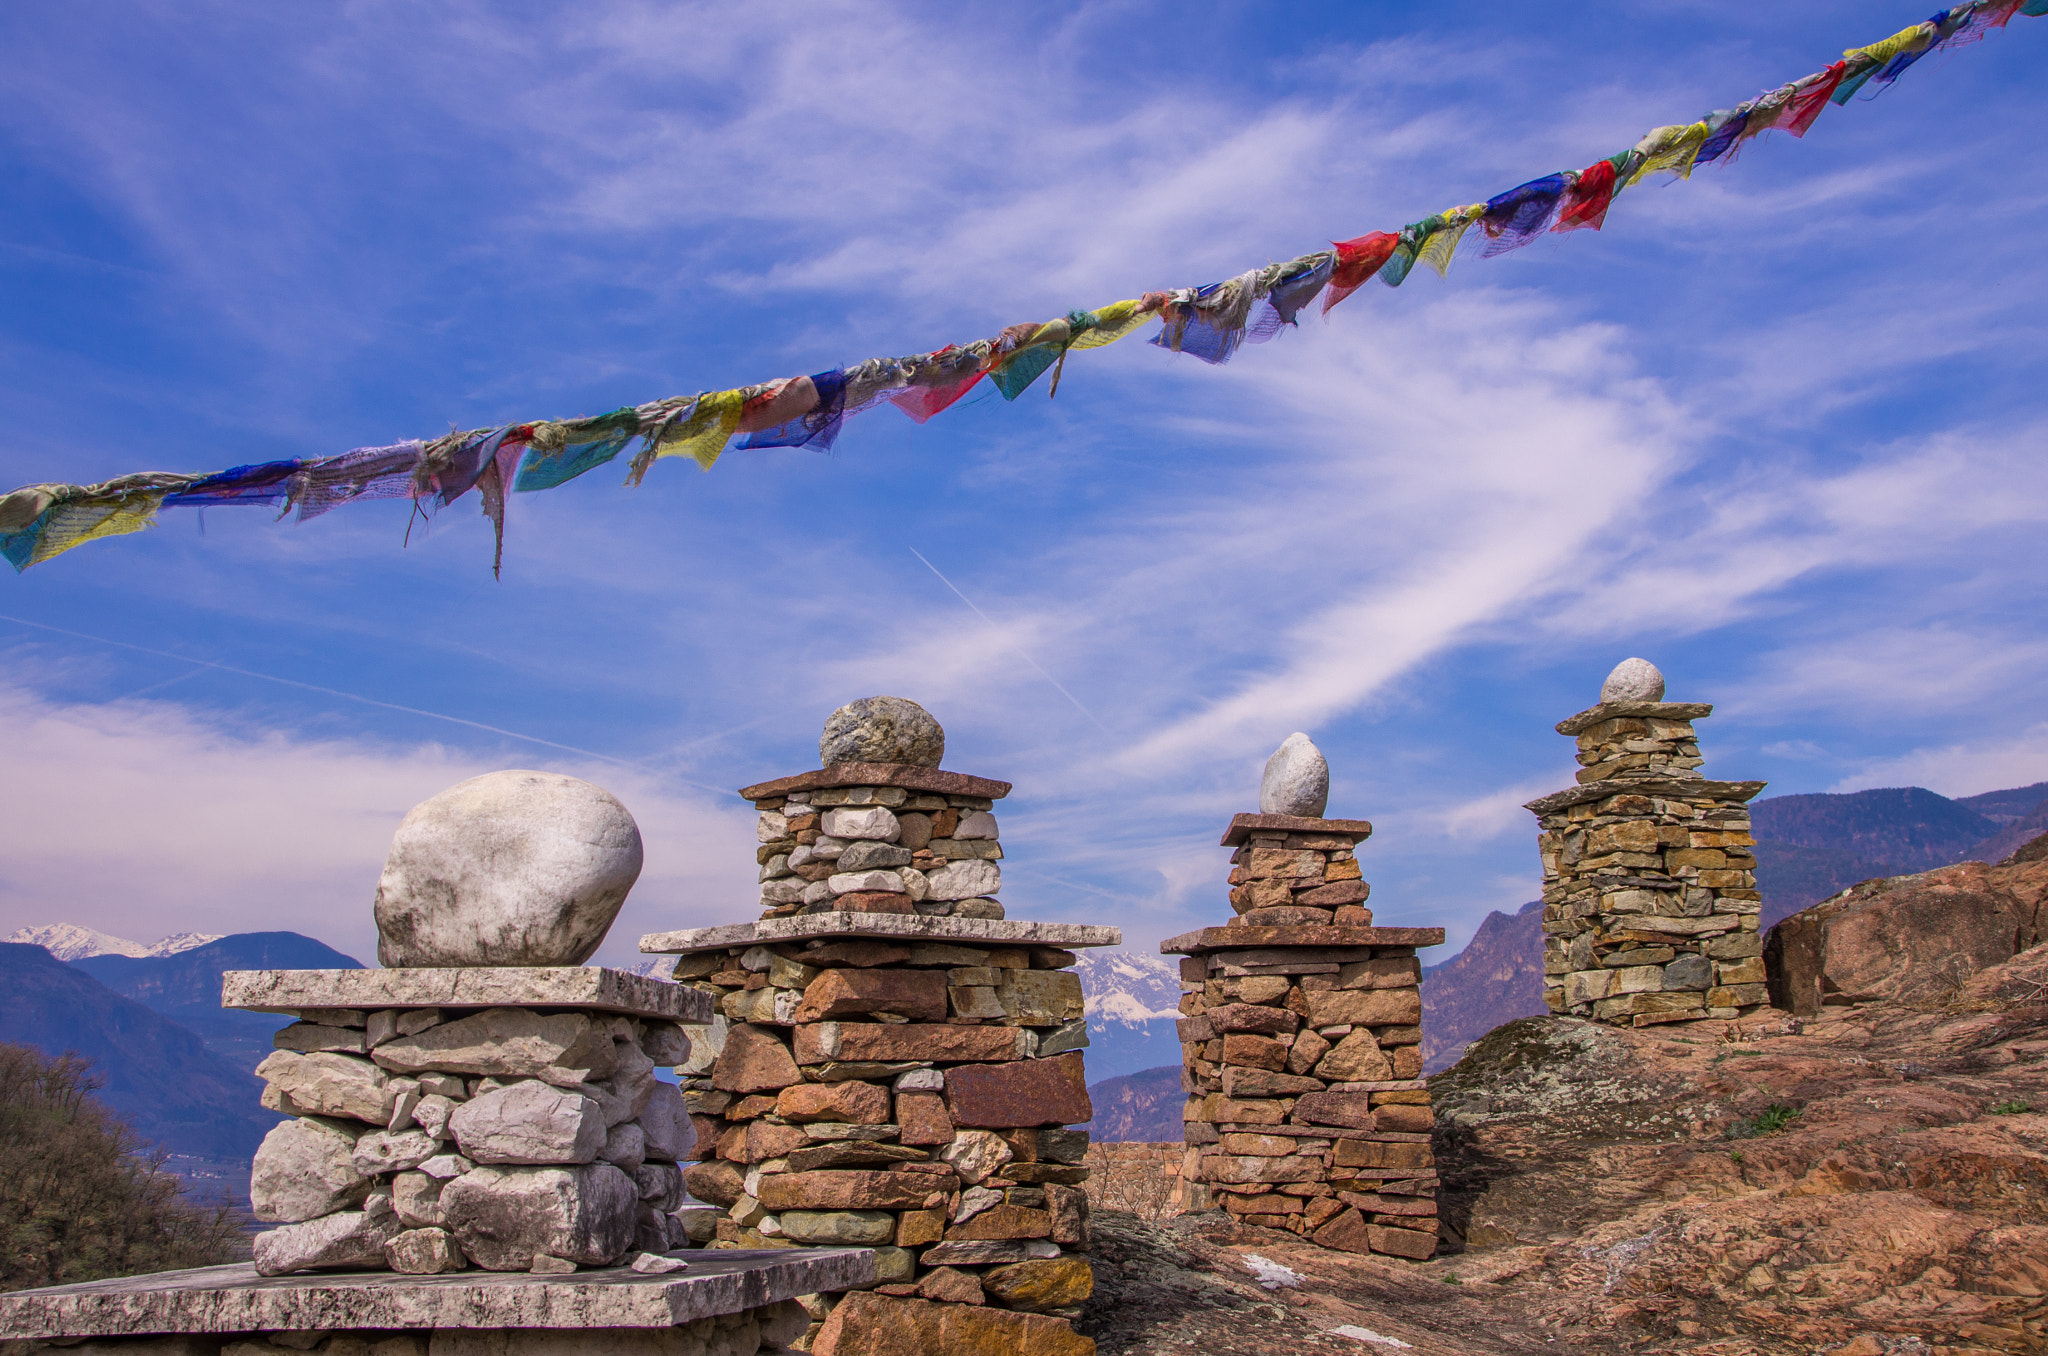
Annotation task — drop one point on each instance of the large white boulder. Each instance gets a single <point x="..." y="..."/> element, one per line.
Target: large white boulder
<point x="1297" y="780"/>
<point x="353" y="1239"/>
<point x="1633" y="680"/>
<point x="510" y="868"/>
<point x="529" y="1122"/>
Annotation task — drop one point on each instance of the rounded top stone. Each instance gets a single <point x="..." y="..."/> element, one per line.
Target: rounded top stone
<point x="1633" y="680"/>
<point x="510" y="868"/>
<point x="1297" y="780"/>
<point x="882" y="730"/>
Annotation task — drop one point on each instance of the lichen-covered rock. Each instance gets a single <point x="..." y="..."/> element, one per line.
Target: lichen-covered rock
<point x="510" y="868"/>
<point x="882" y="730"/>
<point x="1633" y="680"/>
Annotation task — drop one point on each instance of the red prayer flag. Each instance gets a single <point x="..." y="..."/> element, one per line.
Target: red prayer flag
<point x="1357" y="261"/>
<point x="1587" y="200"/>
<point x="1807" y="104"/>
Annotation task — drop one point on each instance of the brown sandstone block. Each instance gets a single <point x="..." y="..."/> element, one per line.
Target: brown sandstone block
<point x="915" y="1228"/>
<point x="1256" y="1083"/>
<point x="1285" y="917"/>
<point x="1254" y="1052"/>
<point x="718" y="1183"/>
<point x="853" y="1190"/>
<point x="1365" y="1153"/>
<point x="1248" y="1169"/>
<point x="1391" y="972"/>
<point x="1331" y="895"/>
<point x="1412" y="1119"/>
<point x="1003" y="1222"/>
<point x="1738" y="995"/>
<point x="1261" y="1146"/>
<point x="1352" y="916"/>
<point x="765" y="1140"/>
<point x="1251" y="1017"/>
<point x="1365" y="1007"/>
<point x="872" y="901"/>
<point x="1220" y="1109"/>
<point x="1348" y="1232"/>
<point x="917" y="994"/>
<point x="858" y="1103"/>
<point x="857" y="952"/>
<point x="1270" y="863"/>
<point x="1023" y="1093"/>
<point x="950" y="1285"/>
<point x="754" y="1060"/>
<point x="1068" y="1206"/>
<point x="1409" y="1243"/>
<point x="1408" y="1061"/>
<point x="867" y="1324"/>
<point x="1038" y="1174"/>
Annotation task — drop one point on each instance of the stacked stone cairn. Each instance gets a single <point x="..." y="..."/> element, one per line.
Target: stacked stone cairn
<point x="485" y="1101"/>
<point x="872" y="844"/>
<point x="1301" y="1040"/>
<point x="893" y="1064"/>
<point x="1650" y="904"/>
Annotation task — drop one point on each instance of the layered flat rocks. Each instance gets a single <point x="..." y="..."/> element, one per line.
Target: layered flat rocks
<point x="579" y="987"/>
<point x="1243" y="827"/>
<point x="906" y="775"/>
<point x="894" y="927"/>
<point x="1241" y="938"/>
<point x="235" y="1299"/>
<point x="1673" y="788"/>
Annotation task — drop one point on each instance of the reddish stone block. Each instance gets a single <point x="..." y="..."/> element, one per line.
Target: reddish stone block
<point x="923" y="1118"/>
<point x="1348" y="1232"/>
<point x="857" y="953"/>
<point x="867" y="1324"/>
<point x="917" y="994"/>
<point x="949" y="1285"/>
<point x="857" y="1103"/>
<point x="1024" y="1093"/>
<point x="754" y="1060"/>
<point x="1365" y="1007"/>
<point x="1264" y="1083"/>
<point x="915" y="1228"/>
<point x="765" y="1141"/>
<point x="1068" y="1206"/>
<point x="1251" y="1017"/>
<point x="1409" y="1243"/>
<point x="1353" y="916"/>
<point x="873" y="901"/>
<point x="716" y="1183"/>
<point x="820" y="1042"/>
<point x="1003" y="1222"/>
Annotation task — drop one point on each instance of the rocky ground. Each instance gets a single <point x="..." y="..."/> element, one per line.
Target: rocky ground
<point x="1634" y="1190"/>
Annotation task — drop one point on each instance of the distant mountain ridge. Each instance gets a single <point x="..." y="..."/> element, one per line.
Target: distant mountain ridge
<point x="185" y="986"/>
<point x="158" y="1075"/>
<point x="69" y="942"/>
<point x="1131" y="1001"/>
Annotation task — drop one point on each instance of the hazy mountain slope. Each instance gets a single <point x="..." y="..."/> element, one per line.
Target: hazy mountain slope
<point x="186" y="986"/>
<point x="1144" y="1107"/>
<point x="1496" y="978"/>
<point x="159" y="1076"/>
<point x="1909" y="828"/>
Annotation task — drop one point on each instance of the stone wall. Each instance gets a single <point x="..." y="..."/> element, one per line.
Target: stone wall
<point x="429" y="1140"/>
<point x="1650" y="903"/>
<point x="1301" y="1051"/>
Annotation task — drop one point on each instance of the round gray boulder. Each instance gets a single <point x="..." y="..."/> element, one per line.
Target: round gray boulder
<point x="1297" y="780"/>
<point x="882" y="730"/>
<point x="1633" y="680"/>
<point x="510" y="868"/>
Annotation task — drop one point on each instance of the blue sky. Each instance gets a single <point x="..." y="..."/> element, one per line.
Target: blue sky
<point x="1773" y="429"/>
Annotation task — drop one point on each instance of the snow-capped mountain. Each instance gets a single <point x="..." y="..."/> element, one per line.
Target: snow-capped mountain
<point x="69" y="942"/>
<point x="1133" y="1000"/>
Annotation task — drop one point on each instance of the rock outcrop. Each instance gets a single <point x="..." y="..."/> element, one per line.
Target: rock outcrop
<point x="1909" y="939"/>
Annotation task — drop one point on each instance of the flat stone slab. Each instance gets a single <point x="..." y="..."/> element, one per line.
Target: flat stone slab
<point x="235" y="1299"/>
<point x="588" y="987"/>
<point x="1689" y="788"/>
<point x="1593" y="715"/>
<point x="935" y="780"/>
<point x="1238" y="939"/>
<point x="1244" y="826"/>
<point x="890" y="926"/>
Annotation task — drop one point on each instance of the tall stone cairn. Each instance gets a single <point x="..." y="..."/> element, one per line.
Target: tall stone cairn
<point x="1650" y="903"/>
<point x="1301" y="1041"/>
<point x="894" y="1063"/>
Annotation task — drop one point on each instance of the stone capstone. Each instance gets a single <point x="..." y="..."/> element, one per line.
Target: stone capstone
<point x="1633" y="680"/>
<point x="529" y="1122"/>
<point x="503" y="1217"/>
<point x="1296" y="780"/>
<point x="882" y="730"/>
<point x="304" y="1169"/>
<point x="510" y="868"/>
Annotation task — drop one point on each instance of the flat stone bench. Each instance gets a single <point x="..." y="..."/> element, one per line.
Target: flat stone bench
<point x="728" y="1303"/>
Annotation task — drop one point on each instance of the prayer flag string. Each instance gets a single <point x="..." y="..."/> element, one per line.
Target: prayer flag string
<point x="39" y="522"/>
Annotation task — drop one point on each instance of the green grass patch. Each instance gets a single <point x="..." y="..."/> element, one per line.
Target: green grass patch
<point x="1769" y="1121"/>
<point x="2012" y="1108"/>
